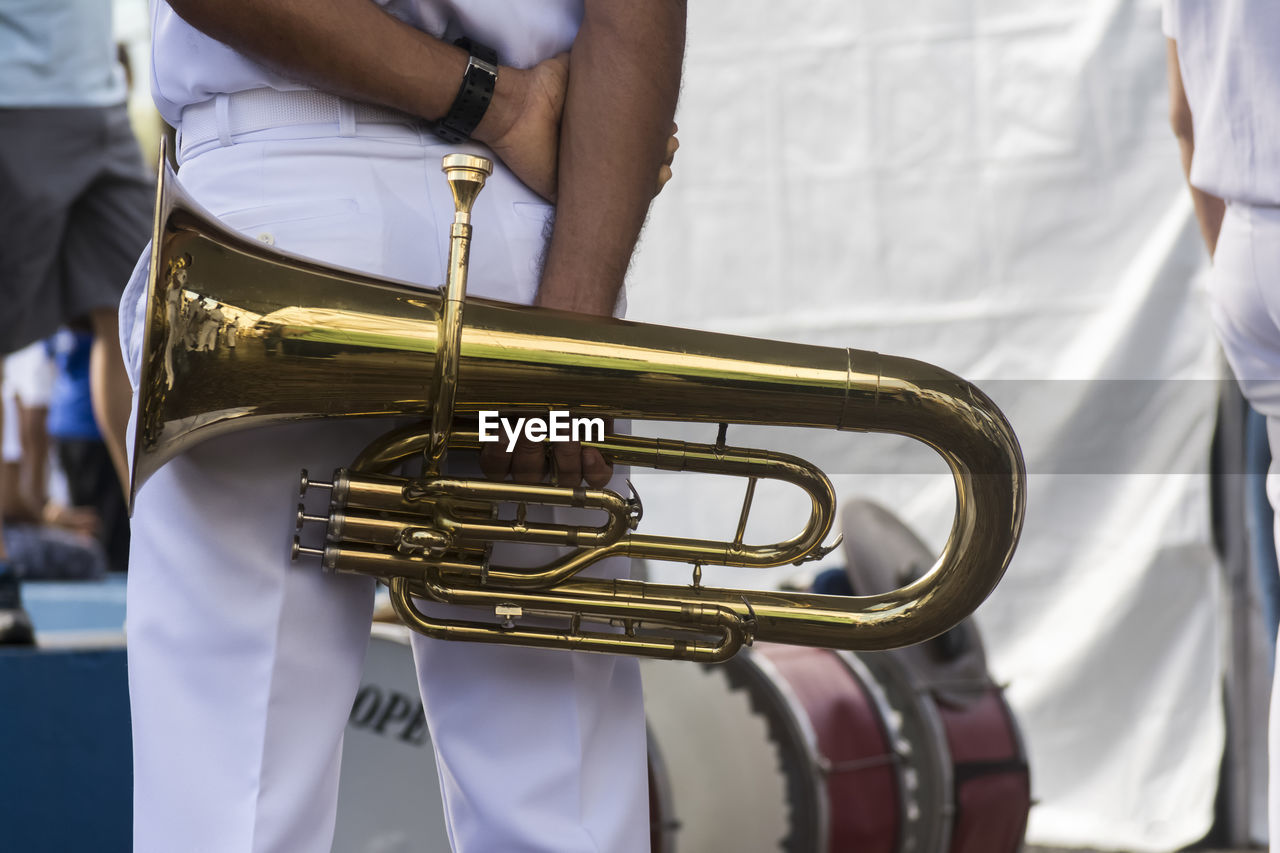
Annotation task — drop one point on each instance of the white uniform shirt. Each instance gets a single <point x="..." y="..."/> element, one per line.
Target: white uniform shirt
<point x="1229" y="52"/>
<point x="189" y="67"/>
<point x="58" y="53"/>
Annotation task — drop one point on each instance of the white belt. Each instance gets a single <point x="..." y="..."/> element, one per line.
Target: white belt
<point x="225" y="116"/>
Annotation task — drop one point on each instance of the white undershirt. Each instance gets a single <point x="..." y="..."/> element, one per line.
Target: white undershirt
<point x="189" y="67"/>
<point x="1229" y="52"/>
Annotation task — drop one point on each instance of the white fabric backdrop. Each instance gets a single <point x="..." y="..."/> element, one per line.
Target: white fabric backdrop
<point x="992" y="186"/>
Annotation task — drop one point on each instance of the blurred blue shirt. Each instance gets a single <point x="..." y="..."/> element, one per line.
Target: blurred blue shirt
<point x="58" y="53"/>
<point x="71" y="403"/>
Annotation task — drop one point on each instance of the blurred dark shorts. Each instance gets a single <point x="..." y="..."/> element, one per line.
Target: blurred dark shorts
<point x="75" y="213"/>
<point x="41" y="553"/>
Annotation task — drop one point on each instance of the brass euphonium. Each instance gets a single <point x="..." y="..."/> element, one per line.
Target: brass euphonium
<point x="239" y="335"/>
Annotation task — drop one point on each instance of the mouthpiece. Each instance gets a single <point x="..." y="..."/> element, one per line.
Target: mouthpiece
<point x="466" y="174"/>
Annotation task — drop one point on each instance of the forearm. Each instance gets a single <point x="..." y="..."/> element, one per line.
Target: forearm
<point x="1209" y="208"/>
<point x="351" y="48"/>
<point x="624" y="79"/>
<point x="33" y="467"/>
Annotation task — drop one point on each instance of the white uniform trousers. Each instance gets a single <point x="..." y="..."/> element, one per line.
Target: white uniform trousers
<point x="1245" y="301"/>
<point x="243" y="666"/>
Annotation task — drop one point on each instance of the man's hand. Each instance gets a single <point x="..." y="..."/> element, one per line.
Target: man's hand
<point x="526" y="134"/>
<point x="527" y="463"/>
<point x="664" y="171"/>
<point x="523" y="125"/>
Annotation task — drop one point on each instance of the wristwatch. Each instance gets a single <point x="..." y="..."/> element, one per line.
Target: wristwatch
<point x="474" y="95"/>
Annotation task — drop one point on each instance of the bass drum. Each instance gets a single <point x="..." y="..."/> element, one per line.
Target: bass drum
<point x="943" y="692"/>
<point x="992" y="775"/>
<point x="978" y="794"/>
<point x="389" y="792"/>
<point x="785" y="748"/>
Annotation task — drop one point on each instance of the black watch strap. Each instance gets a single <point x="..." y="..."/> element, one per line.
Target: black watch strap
<point x="474" y="95"/>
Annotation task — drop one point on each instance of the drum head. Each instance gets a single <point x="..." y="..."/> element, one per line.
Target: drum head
<point x="728" y="783"/>
<point x="780" y="749"/>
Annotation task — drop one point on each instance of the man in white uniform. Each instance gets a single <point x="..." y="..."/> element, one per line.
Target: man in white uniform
<point x="243" y="667"/>
<point x="1224" y="81"/>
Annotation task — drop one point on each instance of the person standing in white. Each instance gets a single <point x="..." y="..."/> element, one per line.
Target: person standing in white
<point x="301" y="124"/>
<point x="1224" y="83"/>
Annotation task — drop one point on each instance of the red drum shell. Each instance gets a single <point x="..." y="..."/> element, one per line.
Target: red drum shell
<point x="992" y="777"/>
<point x="965" y="751"/>
<point x="851" y="745"/>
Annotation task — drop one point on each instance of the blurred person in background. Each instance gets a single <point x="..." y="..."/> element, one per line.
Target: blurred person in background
<point x="94" y="491"/>
<point x="77" y="202"/>
<point x="15" y="623"/>
<point x="1224" y="84"/>
<point x="30" y="382"/>
<point x="46" y="538"/>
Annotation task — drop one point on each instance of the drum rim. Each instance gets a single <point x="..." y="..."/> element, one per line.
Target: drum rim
<point x="669" y="832"/>
<point x="898" y="679"/>
<point x="795" y="724"/>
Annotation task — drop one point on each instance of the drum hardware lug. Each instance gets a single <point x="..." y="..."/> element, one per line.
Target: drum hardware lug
<point x="508" y="613"/>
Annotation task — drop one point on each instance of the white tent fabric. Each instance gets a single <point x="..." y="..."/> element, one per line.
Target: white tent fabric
<point x="991" y="186"/>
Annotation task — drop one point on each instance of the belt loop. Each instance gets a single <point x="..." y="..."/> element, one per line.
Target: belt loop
<point x="346" y="117"/>
<point x="222" y="117"/>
